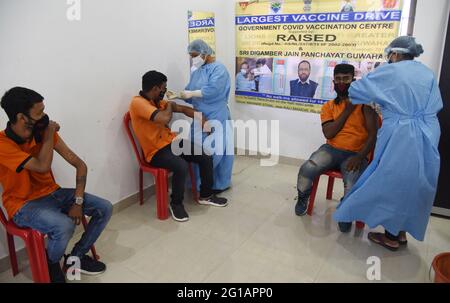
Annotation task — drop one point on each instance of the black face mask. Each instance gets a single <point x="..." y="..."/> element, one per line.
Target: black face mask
<point x="38" y="127"/>
<point x="342" y="89"/>
<point x="162" y="94"/>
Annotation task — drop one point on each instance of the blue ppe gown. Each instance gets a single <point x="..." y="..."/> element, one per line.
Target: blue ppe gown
<point x="398" y="188"/>
<point x="214" y="81"/>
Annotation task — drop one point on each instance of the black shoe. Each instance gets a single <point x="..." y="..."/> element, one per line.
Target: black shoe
<point x="345" y="227"/>
<point x="178" y="212"/>
<point x="301" y="207"/>
<point x="219" y="191"/>
<point x="214" y="201"/>
<point x="88" y="265"/>
<point x="56" y="273"/>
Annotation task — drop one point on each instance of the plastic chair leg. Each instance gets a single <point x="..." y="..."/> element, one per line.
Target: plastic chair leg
<point x="141" y="186"/>
<point x="38" y="260"/>
<point x="12" y="254"/>
<point x="312" y="196"/>
<point x="162" y="211"/>
<point x="330" y="188"/>
<point x="360" y="224"/>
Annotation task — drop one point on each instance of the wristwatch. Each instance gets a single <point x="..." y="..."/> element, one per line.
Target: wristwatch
<point x="79" y="201"/>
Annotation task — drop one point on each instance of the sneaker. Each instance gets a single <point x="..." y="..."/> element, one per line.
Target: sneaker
<point x="301" y="208"/>
<point x="55" y="272"/>
<point x="345" y="227"/>
<point x="302" y="204"/>
<point x="89" y="266"/>
<point x="178" y="212"/>
<point x="214" y="201"/>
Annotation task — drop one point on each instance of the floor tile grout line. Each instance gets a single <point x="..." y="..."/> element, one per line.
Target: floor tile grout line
<point x="243" y="243"/>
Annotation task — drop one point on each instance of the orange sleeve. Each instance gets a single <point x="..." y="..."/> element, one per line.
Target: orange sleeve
<point x="11" y="156"/>
<point x="326" y="114"/>
<point x="142" y="109"/>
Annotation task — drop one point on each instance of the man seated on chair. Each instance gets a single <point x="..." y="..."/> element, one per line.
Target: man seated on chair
<point x="30" y="195"/>
<point x="350" y="131"/>
<point x="150" y="115"/>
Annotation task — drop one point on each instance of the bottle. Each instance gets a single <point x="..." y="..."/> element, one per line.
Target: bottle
<point x="279" y="79"/>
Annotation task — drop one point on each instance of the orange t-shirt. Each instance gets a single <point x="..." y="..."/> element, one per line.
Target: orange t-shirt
<point x="152" y="136"/>
<point x="19" y="184"/>
<point x="353" y="134"/>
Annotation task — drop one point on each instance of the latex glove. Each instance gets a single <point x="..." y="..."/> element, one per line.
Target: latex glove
<point x="171" y="95"/>
<point x="188" y="94"/>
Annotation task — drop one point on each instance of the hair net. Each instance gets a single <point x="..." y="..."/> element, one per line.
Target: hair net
<point x="404" y="45"/>
<point x="200" y="46"/>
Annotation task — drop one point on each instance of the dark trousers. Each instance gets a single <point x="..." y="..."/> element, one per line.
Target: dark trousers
<point x="178" y="165"/>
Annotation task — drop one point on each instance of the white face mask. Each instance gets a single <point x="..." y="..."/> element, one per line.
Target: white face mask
<point x="198" y="61"/>
<point x="243" y="72"/>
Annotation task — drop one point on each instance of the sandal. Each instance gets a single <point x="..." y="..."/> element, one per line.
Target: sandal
<point x="402" y="234"/>
<point x="378" y="238"/>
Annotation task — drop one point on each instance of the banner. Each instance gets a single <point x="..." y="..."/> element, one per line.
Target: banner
<point x="287" y="50"/>
<point x="201" y="25"/>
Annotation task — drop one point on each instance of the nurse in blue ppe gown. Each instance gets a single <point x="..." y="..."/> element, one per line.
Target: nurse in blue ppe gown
<point x="208" y="91"/>
<point x="397" y="190"/>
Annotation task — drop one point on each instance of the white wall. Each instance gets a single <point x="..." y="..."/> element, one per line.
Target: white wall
<point x="89" y="70"/>
<point x="429" y="28"/>
<point x="300" y="133"/>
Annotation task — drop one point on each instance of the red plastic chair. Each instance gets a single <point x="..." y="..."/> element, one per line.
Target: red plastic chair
<point x="35" y="246"/>
<point x="332" y="175"/>
<point x="160" y="175"/>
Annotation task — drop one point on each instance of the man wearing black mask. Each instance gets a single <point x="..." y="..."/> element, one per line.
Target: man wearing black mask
<point x="31" y="196"/>
<point x="350" y="131"/>
<point x="150" y="116"/>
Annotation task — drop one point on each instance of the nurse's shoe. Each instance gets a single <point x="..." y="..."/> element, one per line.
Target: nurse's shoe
<point x="402" y="238"/>
<point x="345" y="227"/>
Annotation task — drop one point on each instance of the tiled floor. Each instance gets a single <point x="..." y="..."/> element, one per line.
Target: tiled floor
<point x="257" y="238"/>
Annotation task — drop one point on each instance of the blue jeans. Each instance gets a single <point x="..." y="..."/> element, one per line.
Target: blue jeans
<point x="326" y="158"/>
<point x="49" y="216"/>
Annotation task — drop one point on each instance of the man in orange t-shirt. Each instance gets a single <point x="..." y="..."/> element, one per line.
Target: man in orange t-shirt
<point x="30" y="195"/>
<point x="150" y="115"/>
<point x="350" y="131"/>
